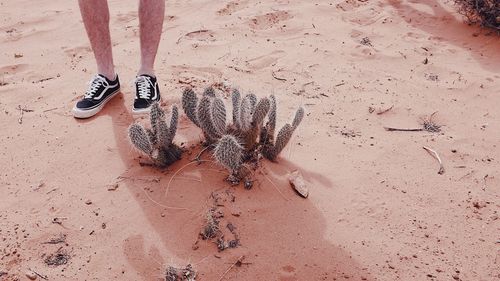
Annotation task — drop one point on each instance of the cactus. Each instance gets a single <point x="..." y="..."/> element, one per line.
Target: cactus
<point x="258" y="116"/>
<point x="209" y="92"/>
<point x="205" y="119"/>
<point x="157" y="141"/>
<point x="237" y="143"/>
<point x="267" y="132"/>
<point x="190" y="105"/>
<point x="236" y="99"/>
<point x="140" y="139"/>
<point x="271" y="150"/>
<point x="174" y="120"/>
<point x="246" y="113"/>
<point x="284" y="135"/>
<point x="271" y="124"/>
<point x="260" y="112"/>
<point x="154" y="115"/>
<point x="253" y="100"/>
<point x="299" y="115"/>
<point x="229" y="153"/>
<point x="166" y="133"/>
<point x="218" y="116"/>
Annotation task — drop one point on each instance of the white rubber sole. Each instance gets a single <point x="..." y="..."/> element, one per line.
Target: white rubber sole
<point x="141" y="111"/>
<point x="83" y="114"/>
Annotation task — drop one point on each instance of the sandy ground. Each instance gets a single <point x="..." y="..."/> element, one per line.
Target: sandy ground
<point x="377" y="210"/>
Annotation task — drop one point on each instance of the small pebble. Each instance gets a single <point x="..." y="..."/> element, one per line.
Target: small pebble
<point x="31" y="275"/>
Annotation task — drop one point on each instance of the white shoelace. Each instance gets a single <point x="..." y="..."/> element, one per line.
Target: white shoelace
<point x="143" y="86"/>
<point x="94" y="84"/>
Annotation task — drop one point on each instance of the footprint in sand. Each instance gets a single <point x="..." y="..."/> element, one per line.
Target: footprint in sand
<point x="287" y="273"/>
<point x="13" y="69"/>
<point x="361" y="14"/>
<point x="264" y="61"/>
<point x="28" y="28"/>
<point x="364" y="46"/>
<point x="8" y="73"/>
<point x="125" y="18"/>
<point x="203" y="35"/>
<point x="77" y="51"/>
<point x="269" y="20"/>
<point x="232" y="7"/>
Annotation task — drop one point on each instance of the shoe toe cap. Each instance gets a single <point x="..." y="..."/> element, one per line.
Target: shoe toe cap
<point x="84" y="104"/>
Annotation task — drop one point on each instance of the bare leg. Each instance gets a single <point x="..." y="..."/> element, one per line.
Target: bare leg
<point x="151" y="15"/>
<point x="95" y="15"/>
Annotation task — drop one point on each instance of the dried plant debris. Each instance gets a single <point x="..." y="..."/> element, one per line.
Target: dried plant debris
<point x="427" y="123"/>
<point x="157" y="142"/>
<point x="432" y="77"/>
<point x="436" y="155"/>
<point x="56" y="240"/>
<point x="223" y="244"/>
<point x="226" y="244"/>
<point x="366" y="41"/>
<point x="484" y="12"/>
<point x="60" y="257"/>
<point x="211" y="228"/>
<point x="214" y="218"/>
<point x="186" y="273"/>
<point x="220" y="198"/>
<point x="247" y="136"/>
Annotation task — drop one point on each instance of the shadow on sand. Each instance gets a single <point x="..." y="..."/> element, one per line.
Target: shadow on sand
<point x="282" y="235"/>
<point x="444" y="26"/>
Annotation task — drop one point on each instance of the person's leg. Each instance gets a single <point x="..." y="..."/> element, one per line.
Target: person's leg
<point x="106" y="85"/>
<point x="151" y="15"/>
<point x="95" y="15"/>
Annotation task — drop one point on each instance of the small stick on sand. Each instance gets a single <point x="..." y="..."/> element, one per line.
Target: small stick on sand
<point x="47" y="110"/>
<point x="436" y="155"/>
<point x="22" y="110"/>
<point x="276" y="77"/>
<point x="239" y="261"/>
<point x="403" y="129"/>
<point x="275" y="187"/>
<point x="44" y="277"/>
<point x="198" y="157"/>
<point x="180" y="169"/>
<point x="385" y="110"/>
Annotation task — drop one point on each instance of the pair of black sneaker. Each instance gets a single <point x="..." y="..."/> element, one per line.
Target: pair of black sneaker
<point x="101" y="90"/>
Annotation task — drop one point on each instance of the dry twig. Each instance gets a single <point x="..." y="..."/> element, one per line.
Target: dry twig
<point x="385" y="110"/>
<point x="435" y="155"/>
<point x="404" y="129"/>
<point x="44" y="277"/>
<point x="239" y="261"/>
<point x="276" y="77"/>
<point x="198" y="156"/>
<point x="22" y="110"/>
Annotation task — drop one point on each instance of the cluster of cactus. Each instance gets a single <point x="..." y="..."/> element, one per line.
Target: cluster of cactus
<point x="156" y="142"/>
<point x="239" y="141"/>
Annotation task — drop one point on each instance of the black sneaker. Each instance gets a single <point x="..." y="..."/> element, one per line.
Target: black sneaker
<point x="100" y="91"/>
<point x="146" y="93"/>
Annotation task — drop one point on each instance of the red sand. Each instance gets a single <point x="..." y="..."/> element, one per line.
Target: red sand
<point x="377" y="208"/>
